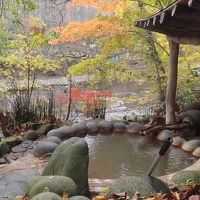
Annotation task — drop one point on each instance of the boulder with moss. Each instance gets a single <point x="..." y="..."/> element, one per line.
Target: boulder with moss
<point x="12" y="140"/>
<point x="55" y="184"/>
<point x="44" y="129"/>
<point x="145" y="185"/>
<point x="4" y="148"/>
<point x="186" y="178"/>
<point x="31" y="135"/>
<point x="46" y="196"/>
<point x="71" y="159"/>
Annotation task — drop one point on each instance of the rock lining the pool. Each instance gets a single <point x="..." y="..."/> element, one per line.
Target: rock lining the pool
<point x="48" y="146"/>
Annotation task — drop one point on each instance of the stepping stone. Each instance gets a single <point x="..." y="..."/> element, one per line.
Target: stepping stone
<point x="92" y="127"/>
<point x="54" y="139"/>
<point x="105" y="126"/>
<point x="191" y="145"/>
<point x="135" y="127"/>
<point x="178" y="141"/>
<point x="163" y="135"/>
<point x="119" y="127"/>
<point x="44" y="148"/>
<point x="196" y="152"/>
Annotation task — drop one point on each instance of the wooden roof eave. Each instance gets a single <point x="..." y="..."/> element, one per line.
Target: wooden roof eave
<point x="180" y="20"/>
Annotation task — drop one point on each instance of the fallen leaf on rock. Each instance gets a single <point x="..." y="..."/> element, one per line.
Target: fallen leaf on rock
<point x="22" y="197"/>
<point x="100" y="198"/>
<point x="65" y="196"/>
<point x="14" y="158"/>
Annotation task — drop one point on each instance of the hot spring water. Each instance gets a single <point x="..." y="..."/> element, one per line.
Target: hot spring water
<point x="112" y="156"/>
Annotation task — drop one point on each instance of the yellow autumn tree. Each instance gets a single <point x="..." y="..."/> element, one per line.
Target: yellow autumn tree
<point x="120" y="42"/>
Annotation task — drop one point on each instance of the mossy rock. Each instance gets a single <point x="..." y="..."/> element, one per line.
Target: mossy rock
<point x="31" y="135"/>
<point x="44" y="129"/>
<point x="78" y="198"/>
<point x="145" y="185"/>
<point x="71" y="159"/>
<point x="12" y="198"/>
<point x="46" y="196"/>
<point x="34" y="126"/>
<point x="55" y="184"/>
<point x="66" y="123"/>
<point x="4" y="148"/>
<point x="186" y="178"/>
<point x="12" y="140"/>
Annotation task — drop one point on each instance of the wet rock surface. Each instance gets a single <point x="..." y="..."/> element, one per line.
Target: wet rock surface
<point x="15" y="182"/>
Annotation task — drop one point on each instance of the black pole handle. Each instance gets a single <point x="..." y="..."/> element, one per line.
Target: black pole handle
<point x="165" y="146"/>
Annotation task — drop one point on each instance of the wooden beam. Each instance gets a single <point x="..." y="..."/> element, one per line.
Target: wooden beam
<point x="172" y="82"/>
<point x="185" y="40"/>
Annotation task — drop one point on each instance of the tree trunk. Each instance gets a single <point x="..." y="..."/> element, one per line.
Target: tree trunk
<point x="172" y="82"/>
<point x="69" y="98"/>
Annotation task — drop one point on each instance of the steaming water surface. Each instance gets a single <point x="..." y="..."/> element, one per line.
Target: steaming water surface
<point x="116" y="155"/>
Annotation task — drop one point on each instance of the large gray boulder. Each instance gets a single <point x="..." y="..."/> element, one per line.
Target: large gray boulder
<point x="54" y="139"/>
<point x="71" y="159"/>
<point x="142" y="184"/>
<point x="186" y="178"/>
<point x="55" y="184"/>
<point x="47" y="196"/>
<point x="119" y="127"/>
<point x="135" y="127"/>
<point x="63" y="132"/>
<point x="31" y="135"/>
<point x="105" y="126"/>
<point x="44" y="148"/>
<point x="80" y="128"/>
<point x="92" y="127"/>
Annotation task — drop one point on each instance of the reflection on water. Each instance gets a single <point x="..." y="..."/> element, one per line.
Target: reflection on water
<point x="112" y="156"/>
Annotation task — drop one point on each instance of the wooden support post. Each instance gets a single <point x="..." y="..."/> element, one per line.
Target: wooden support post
<point x="172" y="82"/>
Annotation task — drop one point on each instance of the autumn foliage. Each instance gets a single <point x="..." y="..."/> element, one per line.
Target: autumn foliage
<point x="92" y="101"/>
